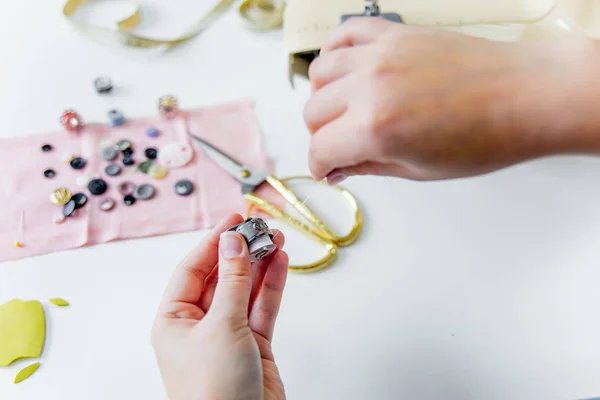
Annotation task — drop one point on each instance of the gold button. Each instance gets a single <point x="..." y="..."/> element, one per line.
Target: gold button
<point x="157" y="171"/>
<point x="60" y="196"/>
<point x="244" y="173"/>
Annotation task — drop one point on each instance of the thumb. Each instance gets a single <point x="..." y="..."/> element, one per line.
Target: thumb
<point x="232" y="294"/>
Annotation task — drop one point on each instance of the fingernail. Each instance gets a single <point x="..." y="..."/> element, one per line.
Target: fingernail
<point x="336" y="178"/>
<point x="230" y="245"/>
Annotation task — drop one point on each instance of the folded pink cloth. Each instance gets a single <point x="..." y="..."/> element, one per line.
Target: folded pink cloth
<point x="26" y="212"/>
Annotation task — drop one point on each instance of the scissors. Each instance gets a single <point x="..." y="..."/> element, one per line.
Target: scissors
<point x="316" y="228"/>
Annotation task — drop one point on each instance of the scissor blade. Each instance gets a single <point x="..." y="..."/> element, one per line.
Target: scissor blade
<point x="248" y="177"/>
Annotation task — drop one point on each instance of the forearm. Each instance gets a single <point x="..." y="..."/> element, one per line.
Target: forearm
<point x="565" y="106"/>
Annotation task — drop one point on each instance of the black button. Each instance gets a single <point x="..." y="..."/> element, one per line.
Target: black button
<point x="184" y="187"/>
<point x="80" y="200"/>
<point x="69" y="208"/>
<point x="112" y="170"/>
<point x="97" y="187"/>
<point x="78" y="163"/>
<point x="46" y="147"/>
<point x="129" y="200"/>
<point x="128" y="152"/>
<point x="151" y="153"/>
<point x="49" y="173"/>
<point x="128" y="161"/>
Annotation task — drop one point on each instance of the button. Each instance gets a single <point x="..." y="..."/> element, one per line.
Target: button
<point x="97" y="187"/>
<point x="145" y="166"/>
<point x="109" y="153"/>
<point x="71" y="120"/>
<point x="152" y="132"/>
<point x="80" y="200"/>
<point x="58" y="219"/>
<point x="176" y="155"/>
<point x="60" y="196"/>
<point x="157" y="171"/>
<point x="69" y="208"/>
<point x="128" y="152"/>
<point x="107" y="204"/>
<point x="128" y="161"/>
<point x="82" y="180"/>
<point x="49" y="173"/>
<point x="78" y="163"/>
<point x="103" y="85"/>
<point x="184" y="187"/>
<point x="47" y="147"/>
<point x="151" y="153"/>
<point x="129" y="200"/>
<point x="144" y="192"/>
<point x="123" y="144"/>
<point x="113" y="170"/>
<point x="115" y="118"/>
<point x="127" y="188"/>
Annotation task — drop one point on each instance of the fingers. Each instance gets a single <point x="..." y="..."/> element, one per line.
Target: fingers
<point x="334" y="65"/>
<point x="326" y="104"/>
<point x="336" y="145"/>
<point x="356" y="31"/>
<point x="232" y="294"/>
<point x="266" y="307"/>
<point x="188" y="278"/>
<point x="258" y="273"/>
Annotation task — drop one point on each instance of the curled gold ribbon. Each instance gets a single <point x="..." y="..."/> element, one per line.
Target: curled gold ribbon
<point x="259" y="14"/>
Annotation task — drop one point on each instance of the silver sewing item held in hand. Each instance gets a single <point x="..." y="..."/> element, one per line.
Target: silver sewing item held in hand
<point x="258" y="236"/>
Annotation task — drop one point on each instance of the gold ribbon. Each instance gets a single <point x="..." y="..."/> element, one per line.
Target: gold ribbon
<point x="260" y="15"/>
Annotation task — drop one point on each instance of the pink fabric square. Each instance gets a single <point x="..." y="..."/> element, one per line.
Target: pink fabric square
<point x="24" y="189"/>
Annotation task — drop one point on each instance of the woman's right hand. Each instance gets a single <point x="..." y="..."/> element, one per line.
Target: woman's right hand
<point x="427" y="104"/>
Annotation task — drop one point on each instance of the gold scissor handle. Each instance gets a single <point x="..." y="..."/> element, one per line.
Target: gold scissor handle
<point x="280" y="214"/>
<point x="290" y="196"/>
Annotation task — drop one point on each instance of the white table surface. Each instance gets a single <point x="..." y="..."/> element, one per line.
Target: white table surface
<point x="484" y="288"/>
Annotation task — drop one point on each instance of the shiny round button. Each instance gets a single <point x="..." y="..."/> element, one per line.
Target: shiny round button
<point x="116" y="118"/>
<point x="97" y="187"/>
<point x="128" y="152"/>
<point x="78" y="163"/>
<point x="152" y="132"/>
<point x="109" y="153"/>
<point x="128" y="161"/>
<point x="151" y="153"/>
<point x="47" y="147"/>
<point x="144" y="192"/>
<point x="60" y="196"/>
<point x="157" y="171"/>
<point x="123" y="144"/>
<point x="145" y="166"/>
<point x="129" y="200"/>
<point x="107" y="204"/>
<point x="69" y="208"/>
<point x="112" y="170"/>
<point x="49" y="173"/>
<point x="80" y="200"/>
<point x="176" y="155"/>
<point x="184" y="187"/>
<point x="127" y="188"/>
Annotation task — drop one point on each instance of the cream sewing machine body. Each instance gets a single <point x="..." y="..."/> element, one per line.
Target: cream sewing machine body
<point x="308" y="23"/>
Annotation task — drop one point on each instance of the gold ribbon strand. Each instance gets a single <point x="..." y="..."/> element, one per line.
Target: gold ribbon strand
<point x="259" y="14"/>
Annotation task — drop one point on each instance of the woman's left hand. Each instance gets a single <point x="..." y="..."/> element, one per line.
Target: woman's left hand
<point x="212" y="335"/>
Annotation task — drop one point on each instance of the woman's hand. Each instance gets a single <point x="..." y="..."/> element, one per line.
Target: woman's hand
<point x="427" y="104"/>
<point x="212" y="335"/>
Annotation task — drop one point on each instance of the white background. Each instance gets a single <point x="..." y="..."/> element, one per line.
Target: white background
<point x="483" y="288"/>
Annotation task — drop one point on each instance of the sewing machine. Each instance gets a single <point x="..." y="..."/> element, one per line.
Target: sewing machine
<point x="308" y="23"/>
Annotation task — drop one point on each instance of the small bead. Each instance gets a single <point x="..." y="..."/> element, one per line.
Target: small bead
<point x="18" y="244"/>
<point x="152" y="132"/>
<point x="71" y="120"/>
<point x="115" y="118"/>
<point x="47" y="147"/>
